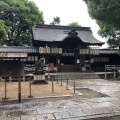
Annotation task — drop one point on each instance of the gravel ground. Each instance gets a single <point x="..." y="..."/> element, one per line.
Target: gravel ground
<point x="38" y="90"/>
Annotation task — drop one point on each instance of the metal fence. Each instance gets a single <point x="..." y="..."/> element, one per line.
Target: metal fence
<point x="21" y="90"/>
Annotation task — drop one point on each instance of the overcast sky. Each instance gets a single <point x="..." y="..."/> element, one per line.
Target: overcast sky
<point x="68" y="11"/>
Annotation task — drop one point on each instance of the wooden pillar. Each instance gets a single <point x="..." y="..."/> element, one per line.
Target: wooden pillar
<point x="75" y="63"/>
<point x="59" y="63"/>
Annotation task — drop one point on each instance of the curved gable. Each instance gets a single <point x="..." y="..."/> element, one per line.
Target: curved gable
<point x="54" y="33"/>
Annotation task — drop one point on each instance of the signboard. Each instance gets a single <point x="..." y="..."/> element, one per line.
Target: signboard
<point x="11" y="69"/>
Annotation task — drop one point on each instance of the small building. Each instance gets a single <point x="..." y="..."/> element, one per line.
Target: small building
<point x="10" y="61"/>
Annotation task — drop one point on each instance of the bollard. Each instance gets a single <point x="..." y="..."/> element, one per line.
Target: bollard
<point x="5" y="98"/>
<point x="67" y="83"/>
<point x="74" y="85"/>
<point x="30" y="96"/>
<point x="52" y="87"/>
<point x="19" y="89"/>
<point x="57" y="79"/>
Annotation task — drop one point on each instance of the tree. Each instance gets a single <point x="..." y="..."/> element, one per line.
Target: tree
<point x="106" y="14"/>
<point x="74" y="24"/>
<point x="3" y="32"/>
<point x="56" y="20"/>
<point x="19" y="17"/>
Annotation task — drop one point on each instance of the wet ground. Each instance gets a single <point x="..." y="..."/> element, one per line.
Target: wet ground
<point x="94" y="99"/>
<point x="88" y="93"/>
<point x="107" y="118"/>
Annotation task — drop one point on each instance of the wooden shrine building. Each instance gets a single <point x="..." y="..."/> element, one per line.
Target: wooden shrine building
<point x="64" y="48"/>
<point x="67" y="48"/>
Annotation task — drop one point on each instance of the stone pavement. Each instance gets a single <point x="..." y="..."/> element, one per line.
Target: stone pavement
<point x="74" y="107"/>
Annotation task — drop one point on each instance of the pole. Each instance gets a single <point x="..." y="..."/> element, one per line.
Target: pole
<point x="5" y="98"/>
<point x="48" y="73"/>
<point x="67" y="84"/>
<point x="105" y="73"/>
<point x="114" y="72"/>
<point x="30" y="90"/>
<point x="61" y="79"/>
<point x="19" y="89"/>
<point x="52" y="87"/>
<point x="57" y="79"/>
<point x="74" y="85"/>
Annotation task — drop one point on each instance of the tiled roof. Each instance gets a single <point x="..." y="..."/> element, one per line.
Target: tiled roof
<point x="18" y="49"/>
<point x="52" y="33"/>
<point x="108" y="51"/>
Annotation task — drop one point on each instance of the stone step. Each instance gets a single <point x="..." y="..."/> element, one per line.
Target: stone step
<point x="80" y="76"/>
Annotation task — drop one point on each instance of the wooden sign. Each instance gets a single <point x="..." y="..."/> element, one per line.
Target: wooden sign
<point x="11" y="69"/>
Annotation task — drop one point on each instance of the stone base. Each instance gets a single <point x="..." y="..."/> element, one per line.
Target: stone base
<point x="39" y="73"/>
<point x="39" y="82"/>
<point x="39" y="79"/>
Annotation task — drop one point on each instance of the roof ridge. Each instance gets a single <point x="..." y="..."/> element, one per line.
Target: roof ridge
<point x="61" y="27"/>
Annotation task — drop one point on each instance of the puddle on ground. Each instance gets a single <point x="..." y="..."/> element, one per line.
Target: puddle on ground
<point x="88" y="93"/>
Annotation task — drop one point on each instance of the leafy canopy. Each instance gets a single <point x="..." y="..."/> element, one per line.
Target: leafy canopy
<point x="74" y="24"/>
<point x="3" y="32"/>
<point x="106" y="13"/>
<point x="19" y="17"/>
<point x="56" y="20"/>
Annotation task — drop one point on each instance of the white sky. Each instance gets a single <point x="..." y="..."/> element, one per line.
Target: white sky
<point x="68" y="11"/>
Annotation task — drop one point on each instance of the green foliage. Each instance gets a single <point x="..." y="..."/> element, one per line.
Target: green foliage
<point x="74" y="24"/>
<point x="20" y="16"/>
<point x="3" y="32"/>
<point x="56" y="20"/>
<point x="111" y="33"/>
<point x="106" y="13"/>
